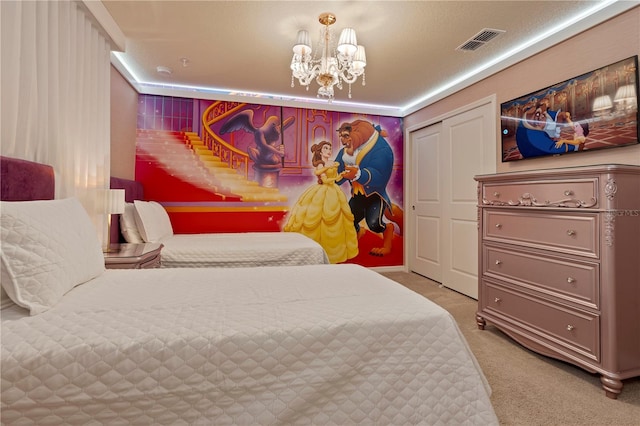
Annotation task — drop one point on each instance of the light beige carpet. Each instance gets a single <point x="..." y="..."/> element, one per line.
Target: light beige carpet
<point x="527" y="388"/>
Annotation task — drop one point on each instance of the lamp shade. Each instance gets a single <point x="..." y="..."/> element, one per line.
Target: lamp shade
<point x="359" y="59"/>
<point x="625" y="93"/>
<point x="348" y="44"/>
<point x="303" y="43"/>
<point x="114" y="201"/>
<point x="601" y="103"/>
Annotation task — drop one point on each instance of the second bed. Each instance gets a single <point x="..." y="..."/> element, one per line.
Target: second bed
<point x="220" y="250"/>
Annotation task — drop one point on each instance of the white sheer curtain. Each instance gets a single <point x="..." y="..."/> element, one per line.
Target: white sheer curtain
<point x="55" y="95"/>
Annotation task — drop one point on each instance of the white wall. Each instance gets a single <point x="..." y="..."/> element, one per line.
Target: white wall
<point x="124" y="113"/>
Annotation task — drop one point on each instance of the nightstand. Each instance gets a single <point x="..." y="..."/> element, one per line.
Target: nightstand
<point x="133" y="256"/>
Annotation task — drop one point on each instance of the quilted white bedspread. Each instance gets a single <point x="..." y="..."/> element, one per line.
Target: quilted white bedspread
<point x="320" y="344"/>
<point x="235" y="250"/>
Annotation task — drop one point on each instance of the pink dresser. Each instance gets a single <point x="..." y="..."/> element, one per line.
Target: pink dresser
<point x="559" y="265"/>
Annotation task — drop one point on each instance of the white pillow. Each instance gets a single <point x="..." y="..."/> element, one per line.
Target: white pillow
<point x="48" y="247"/>
<point x="152" y="220"/>
<point x="128" y="226"/>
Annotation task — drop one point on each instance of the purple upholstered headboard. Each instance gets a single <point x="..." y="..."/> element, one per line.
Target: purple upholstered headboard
<point x="133" y="190"/>
<point x="22" y="180"/>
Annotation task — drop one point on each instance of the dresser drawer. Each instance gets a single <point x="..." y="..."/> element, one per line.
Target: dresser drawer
<point x="564" y="329"/>
<point x="568" y="233"/>
<point x="565" y="193"/>
<point x="567" y="279"/>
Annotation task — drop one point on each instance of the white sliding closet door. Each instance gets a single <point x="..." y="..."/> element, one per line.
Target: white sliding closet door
<point x="426" y="203"/>
<point x="445" y="157"/>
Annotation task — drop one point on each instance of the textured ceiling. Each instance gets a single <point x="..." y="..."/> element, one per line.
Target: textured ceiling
<point x="236" y="49"/>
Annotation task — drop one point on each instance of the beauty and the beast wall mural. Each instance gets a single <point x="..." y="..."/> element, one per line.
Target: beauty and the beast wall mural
<point x="220" y="166"/>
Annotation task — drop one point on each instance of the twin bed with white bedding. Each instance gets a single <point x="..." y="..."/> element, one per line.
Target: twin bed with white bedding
<point x="313" y="344"/>
<point x="148" y="221"/>
<point x="232" y="250"/>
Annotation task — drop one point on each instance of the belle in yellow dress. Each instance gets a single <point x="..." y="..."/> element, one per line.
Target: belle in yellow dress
<point x="322" y="212"/>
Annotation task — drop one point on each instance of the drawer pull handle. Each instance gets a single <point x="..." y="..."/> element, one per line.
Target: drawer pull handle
<point x="496" y="194"/>
<point x="571" y="280"/>
<point x="498" y="226"/>
<point x="568" y="192"/>
<point x="497" y="300"/>
<point x="570" y="327"/>
<point x="571" y="232"/>
<point x="498" y="262"/>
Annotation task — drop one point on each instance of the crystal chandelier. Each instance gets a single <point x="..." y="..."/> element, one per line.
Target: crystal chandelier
<point x="344" y="63"/>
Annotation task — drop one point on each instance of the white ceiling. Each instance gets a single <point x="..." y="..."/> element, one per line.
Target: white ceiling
<point x="237" y="49"/>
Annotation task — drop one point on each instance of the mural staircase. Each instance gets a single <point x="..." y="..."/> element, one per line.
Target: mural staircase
<point x="185" y="157"/>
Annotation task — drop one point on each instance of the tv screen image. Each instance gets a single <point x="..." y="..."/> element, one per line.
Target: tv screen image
<point x="596" y="110"/>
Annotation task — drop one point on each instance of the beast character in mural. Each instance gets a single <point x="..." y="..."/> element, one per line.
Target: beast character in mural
<point x="268" y="151"/>
<point x="366" y="162"/>
<point x="539" y="130"/>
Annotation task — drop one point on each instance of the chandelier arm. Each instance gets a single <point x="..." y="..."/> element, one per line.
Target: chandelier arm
<point x="348" y="77"/>
<point x="306" y="71"/>
<point x="305" y="80"/>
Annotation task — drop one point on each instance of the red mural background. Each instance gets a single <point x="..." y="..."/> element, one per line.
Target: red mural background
<point x="221" y="166"/>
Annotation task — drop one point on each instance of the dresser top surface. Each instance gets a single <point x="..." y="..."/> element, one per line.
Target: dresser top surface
<point x="561" y="172"/>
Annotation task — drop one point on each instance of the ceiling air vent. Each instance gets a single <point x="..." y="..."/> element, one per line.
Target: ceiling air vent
<point x="480" y="39"/>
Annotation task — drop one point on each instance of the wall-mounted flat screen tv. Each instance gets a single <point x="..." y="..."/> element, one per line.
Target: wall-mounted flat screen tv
<point x="596" y="110"/>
